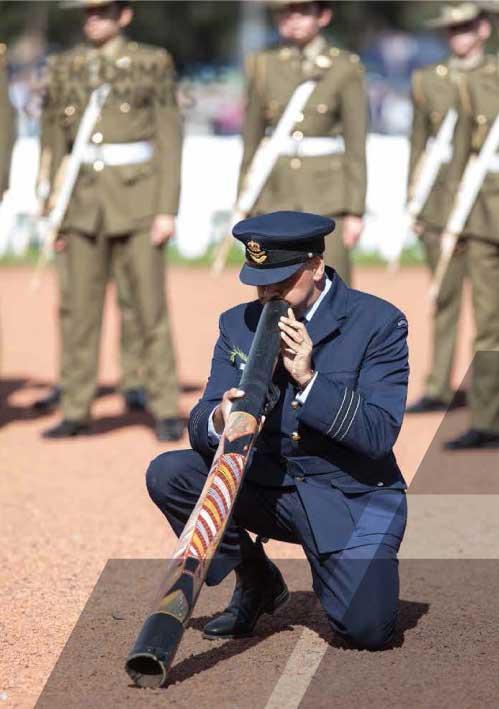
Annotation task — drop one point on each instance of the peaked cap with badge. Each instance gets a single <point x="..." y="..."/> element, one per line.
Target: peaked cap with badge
<point x="455" y="13"/>
<point x="278" y="244"/>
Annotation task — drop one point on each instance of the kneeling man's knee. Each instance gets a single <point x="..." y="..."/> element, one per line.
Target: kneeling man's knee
<point x="368" y="634"/>
<point x="158" y="476"/>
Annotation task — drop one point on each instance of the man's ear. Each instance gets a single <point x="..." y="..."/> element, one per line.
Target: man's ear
<point x="319" y="268"/>
<point x="325" y="17"/>
<point x="126" y="17"/>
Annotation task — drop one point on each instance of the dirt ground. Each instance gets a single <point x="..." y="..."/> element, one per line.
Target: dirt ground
<point x="69" y="507"/>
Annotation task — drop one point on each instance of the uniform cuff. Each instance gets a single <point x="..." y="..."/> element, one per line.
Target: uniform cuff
<point x="303" y="395"/>
<point x="330" y="408"/>
<point x="213" y="436"/>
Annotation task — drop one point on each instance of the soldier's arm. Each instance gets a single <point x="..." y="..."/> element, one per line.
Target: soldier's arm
<point x="419" y="128"/>
<point x="7" y="125"/>
<point x="354" y="119"/>
<point x="254" y="114"/>
<point x="168" y="137"/>
<point x="53" y="141"/>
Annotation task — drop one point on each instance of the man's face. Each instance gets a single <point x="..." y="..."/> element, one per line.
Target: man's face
<point x="468" y="37"/>
<point x="300" y="290"/>
<point x="301" y="22"/>
<point x="104" y="23"/>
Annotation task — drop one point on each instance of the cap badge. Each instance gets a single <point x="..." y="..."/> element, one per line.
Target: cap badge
<point x="255" y="252"/>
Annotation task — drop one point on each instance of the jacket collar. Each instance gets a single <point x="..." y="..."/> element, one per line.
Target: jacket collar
<point x="331" y="312"/>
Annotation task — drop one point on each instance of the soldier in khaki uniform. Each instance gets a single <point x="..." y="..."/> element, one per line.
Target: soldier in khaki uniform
<point x="479" y="107"/>
<point x="123" y="206"/>
<point x="323" y="168"/>
<point x="434" y="92"/>
<point x="7" y="124"/>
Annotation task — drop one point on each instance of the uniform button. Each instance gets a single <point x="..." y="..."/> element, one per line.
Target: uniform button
<point x="442" y="70"/>
<point x="125" y="107"/>
<point x="299" y="118"/>
<point x="97" y="138"/>
<point x="379" y="484"/>
<point x="297" y="135"/>
<point x="334" y="51"/>
<point x="295" y="163"/>
<point x="323" y="62"/>
<point x="69" y="110"/>
<point x="321" y="108"/>
<point x="295" y="404"/>
<point x="295" y="436"/>
<point x="481" y="119"/>
<point x="299" y="478"/>
<point x="98" y="165"/>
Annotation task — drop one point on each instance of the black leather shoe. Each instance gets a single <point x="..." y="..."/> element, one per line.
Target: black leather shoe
<point x="259" y="589"/>
<point x="67" y="429"/>
<point x="49" y="402"/>
<point x="135" y="399"/>
<point x="169" y="429"/>
<point x="426" y="405"/>
<point x="473" y="439"/>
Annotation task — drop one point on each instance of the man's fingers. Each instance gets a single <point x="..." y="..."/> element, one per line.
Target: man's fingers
<point x="290" y="342"/>
<point x="234" y="393"/>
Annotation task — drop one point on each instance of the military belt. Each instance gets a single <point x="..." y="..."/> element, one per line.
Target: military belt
<point x="118" y="153"/>
<point x="313" y="146"/>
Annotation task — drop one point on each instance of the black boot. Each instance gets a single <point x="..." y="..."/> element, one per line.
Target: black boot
<point x="49" y="402"/>
<point x="259" y="589"/>
<point x="473" y="439"/>
<point x="67" y="429"/>
<point x="135" y="399"/>
<point x="427" y="404"/>
<point x="169" y="429"/>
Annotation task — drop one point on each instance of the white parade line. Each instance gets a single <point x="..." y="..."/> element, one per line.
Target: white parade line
<point x="298" y="672"/>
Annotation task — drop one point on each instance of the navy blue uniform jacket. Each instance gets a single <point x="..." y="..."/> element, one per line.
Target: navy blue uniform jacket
<point x="342" y="437"/>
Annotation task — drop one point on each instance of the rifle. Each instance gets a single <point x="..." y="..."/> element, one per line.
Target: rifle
<point x="435" y="155"/>
<point x="469" y="187"/>
<point x="261" y="166"/>
<point x="67" y="176"/>
<point x="152" y="655"/>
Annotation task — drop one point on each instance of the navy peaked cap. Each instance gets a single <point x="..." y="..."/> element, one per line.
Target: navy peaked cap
<point x="278" y="244"/>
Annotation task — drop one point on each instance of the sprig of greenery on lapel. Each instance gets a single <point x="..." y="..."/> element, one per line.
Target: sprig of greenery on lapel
<point x="236" y="352"/>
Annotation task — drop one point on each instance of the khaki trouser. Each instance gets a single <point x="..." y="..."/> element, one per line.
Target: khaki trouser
<point x="484" y="392"/>
<point x="337" y="255"/>
<point x="90" y="260"/>
<point x="445" y="315"/>
<point x="131" y="345"/>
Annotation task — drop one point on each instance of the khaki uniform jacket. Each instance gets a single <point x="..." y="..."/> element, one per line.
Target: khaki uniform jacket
<point x="141" y="107"/>
<point x="478" y="108"/>
<point x="435" y="89"/>
<point x="7" y="124"/>
<point x="326" y="184"/>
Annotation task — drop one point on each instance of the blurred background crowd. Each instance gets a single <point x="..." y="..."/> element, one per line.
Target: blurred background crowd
<point x="208" y="41"/>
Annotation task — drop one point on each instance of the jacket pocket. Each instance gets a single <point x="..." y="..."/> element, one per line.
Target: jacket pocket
<point x="131" y="174"/>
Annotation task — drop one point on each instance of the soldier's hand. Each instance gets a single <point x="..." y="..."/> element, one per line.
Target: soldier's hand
<point x="222" y="411"/>
<point x="296" y="349"/>
<point x="352" y="229"/>
<point x="163" y="229"/>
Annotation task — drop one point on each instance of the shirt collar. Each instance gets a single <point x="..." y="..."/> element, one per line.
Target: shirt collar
<point x="313" y="308"/>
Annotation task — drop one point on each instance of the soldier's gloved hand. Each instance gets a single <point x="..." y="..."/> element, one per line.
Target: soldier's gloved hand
<point x="222" y="411"/>
<point x="296" y="349"/>
<point x="163" y="229"/>
<point x="352" y="229"/>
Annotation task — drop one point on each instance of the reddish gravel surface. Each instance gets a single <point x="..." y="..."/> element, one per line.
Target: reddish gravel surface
<point x="69" y="507"/>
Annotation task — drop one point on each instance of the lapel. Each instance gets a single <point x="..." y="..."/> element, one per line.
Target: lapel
<point x="331" y="312"/>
